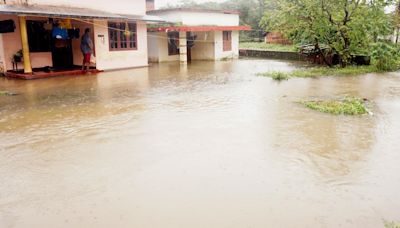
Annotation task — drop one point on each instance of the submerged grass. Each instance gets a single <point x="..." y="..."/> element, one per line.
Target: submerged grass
<point x="392" y="224"/>
<point x="7" y="93"/>
<point x="346" y="106"/>
<point x="267" y="47"/>
<point x="323" y="71"/>
<point x="279" y="76"/>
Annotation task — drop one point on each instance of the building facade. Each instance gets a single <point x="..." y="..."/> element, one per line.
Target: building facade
<point x="47" y="34"/>
<point x="194" y="34"/>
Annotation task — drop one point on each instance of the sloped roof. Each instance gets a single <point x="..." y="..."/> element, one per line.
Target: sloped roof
<point x="56" y="11"/>
<point x="70" y="12"/>
<point x="193" y="10"/>
<point x="198" y="28"/>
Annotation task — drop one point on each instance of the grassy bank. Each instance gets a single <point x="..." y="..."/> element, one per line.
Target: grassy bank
<point x="321" y="71"/>
<point x="345" y="106"/>
<point x="267" y="47"/>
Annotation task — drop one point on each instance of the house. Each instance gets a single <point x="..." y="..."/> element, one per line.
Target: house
<point x="194" y="34"/>
<point x="48" y="34"/>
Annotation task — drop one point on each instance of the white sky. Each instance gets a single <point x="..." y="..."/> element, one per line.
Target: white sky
<point x="161" y="3"/>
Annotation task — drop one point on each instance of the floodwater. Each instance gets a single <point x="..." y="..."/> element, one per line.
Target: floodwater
<point x="207" y="145"/>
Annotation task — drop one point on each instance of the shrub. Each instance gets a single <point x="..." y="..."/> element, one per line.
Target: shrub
<point x="386" y="56"/>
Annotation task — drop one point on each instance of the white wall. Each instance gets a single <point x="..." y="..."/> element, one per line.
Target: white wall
<point x="208" y="46"/>
<point x="202" y="18"/>
<point x="133" y="7"/>
<point x="199" y="18"/>
<point x="158" y="48"/>
<point x="2" y="60"/>
<point x="219" y="51"/>
<point x="110" y="60"/>
<point x="153" y="47"/>
<point x="204" y="46"/>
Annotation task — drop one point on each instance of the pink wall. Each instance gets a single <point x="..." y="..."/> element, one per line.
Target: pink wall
<point x="12" y="43"/>
<point x="105" y="59"/>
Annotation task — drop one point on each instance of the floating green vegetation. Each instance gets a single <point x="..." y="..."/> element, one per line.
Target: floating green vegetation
<point x="278" y="76"/>
<point x="267" y="47"/>
<point x="324" y="71"/>
<point x="391" y="224"/>
<point x="345" y="106"/>
<point x="7" y="93"/>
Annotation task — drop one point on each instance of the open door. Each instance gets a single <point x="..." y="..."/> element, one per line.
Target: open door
<point x="62" y="54"/>
<point x="191" y="38"/>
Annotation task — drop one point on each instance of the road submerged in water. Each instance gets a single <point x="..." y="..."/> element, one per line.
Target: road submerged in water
<point x="206" y="145"/>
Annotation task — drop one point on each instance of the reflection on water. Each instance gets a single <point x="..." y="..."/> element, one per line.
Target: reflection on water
<point x="203" y="145"/>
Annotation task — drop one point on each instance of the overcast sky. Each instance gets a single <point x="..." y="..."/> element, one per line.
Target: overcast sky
<point x="161" y="3"/>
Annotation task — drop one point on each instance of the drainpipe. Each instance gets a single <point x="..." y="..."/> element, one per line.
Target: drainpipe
<point x="25" y="45"/>
<point x="182" y="47"/>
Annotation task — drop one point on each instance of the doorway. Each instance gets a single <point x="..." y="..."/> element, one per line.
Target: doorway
<point x="62" y="54"/>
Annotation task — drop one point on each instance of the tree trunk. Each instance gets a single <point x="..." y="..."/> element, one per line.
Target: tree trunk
<point x="318" y="49"/>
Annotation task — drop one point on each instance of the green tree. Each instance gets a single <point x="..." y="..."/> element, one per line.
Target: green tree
<point x="345" y="26"/>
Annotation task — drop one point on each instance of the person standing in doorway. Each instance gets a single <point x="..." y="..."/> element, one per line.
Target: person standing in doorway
<point x="87" y="49"/>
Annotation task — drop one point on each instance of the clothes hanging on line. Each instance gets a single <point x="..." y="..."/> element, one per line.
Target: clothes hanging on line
<point x="60" y="33"/>
<point x="65" y="23"/>
<point x="7" y="26"/>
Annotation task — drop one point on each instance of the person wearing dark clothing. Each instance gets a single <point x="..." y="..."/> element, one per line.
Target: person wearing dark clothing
<point x="86" y="48"/>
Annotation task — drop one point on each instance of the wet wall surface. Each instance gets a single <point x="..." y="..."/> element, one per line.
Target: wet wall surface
<point x="207" y="145"/>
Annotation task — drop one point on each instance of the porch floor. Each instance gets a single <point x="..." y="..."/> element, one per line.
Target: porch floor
<point x="43" y="74"/>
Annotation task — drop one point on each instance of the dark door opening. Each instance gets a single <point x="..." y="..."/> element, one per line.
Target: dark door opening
<point x="62" y="54"/>
<point x="191" y="38"/>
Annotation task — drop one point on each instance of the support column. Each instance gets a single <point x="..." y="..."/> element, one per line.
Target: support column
<point x="182" y="47"/>
<point x="25" y="45"/>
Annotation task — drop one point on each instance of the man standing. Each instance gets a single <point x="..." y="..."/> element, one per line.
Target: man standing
<point x="86" y="48"/>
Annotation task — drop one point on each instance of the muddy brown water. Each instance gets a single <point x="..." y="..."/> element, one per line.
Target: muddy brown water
<point x="207" y="145"/>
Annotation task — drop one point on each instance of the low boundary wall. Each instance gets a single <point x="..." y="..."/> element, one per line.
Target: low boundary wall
<point x="286" y="55"/>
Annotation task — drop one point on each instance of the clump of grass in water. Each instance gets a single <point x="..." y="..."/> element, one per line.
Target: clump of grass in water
<point x="7" y="93"/>
<point x="391" y="224"/>
<point x="334" y="71"/>
<point x="325" y="71"/>
<point x="278" y="76"/>
<point x="346" y="106"/>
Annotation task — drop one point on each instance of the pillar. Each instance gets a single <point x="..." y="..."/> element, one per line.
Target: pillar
<point x="182" y="47"/>
<point x="25" y="45"/>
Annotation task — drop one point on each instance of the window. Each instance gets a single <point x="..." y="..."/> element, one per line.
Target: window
<point x="173" y="43"/>
<point x="227" y="40"/>
<point x="39" y="38"/>
<point x="122" y="37"/>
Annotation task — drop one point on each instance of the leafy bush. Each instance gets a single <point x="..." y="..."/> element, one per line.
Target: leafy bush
<point x="386" y="56"/>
